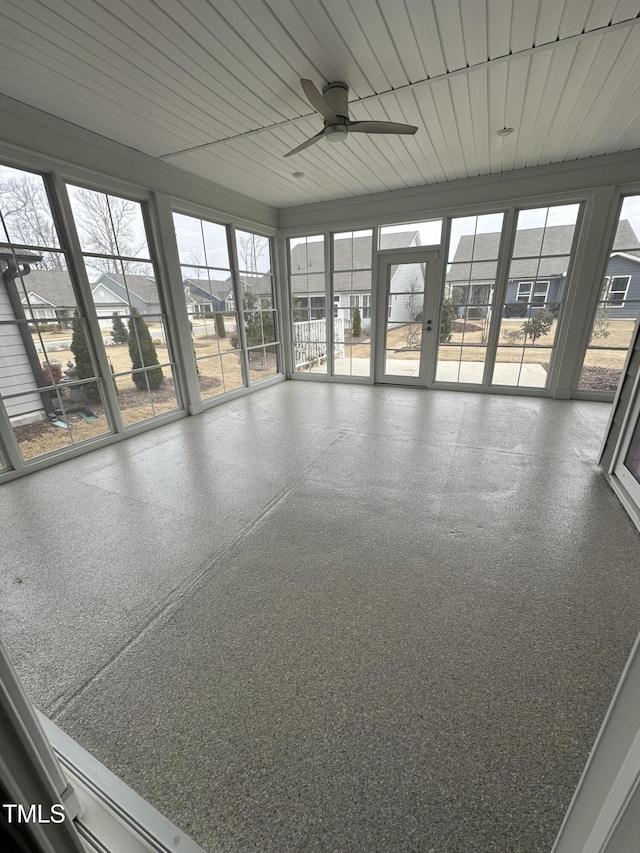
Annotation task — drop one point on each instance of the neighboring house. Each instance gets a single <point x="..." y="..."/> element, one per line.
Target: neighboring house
<point x="207" y="297"/>
<point x="352" y="285"/>
<point x="113" y="292"/>
<point x="538" y="283"/>
<point x="49" y="296"/>
<point x="622" y="285"/>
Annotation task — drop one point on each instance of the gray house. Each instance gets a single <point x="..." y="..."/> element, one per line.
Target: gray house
<point x="207" y="297"/>
<point x="537" y="282"/>
<point x="49" y="295"/>
<point x="113" y="292"/>
<point x="352" y="284"/>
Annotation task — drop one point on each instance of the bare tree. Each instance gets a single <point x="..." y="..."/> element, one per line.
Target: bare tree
<point x="415" y="309"/>
<point x="107" y="226"/>
<point x="196" y="271"/>
<point x="249" y="252"/>
<point x="27" y="217"/>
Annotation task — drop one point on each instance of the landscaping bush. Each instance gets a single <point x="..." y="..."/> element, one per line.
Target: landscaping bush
<point x="119" y="330"/>
<point x="143" y="354"/>
<point x="259" y="326"/>
<point x="48" y="327"/>
<point x="357" y="324"/>
<point x="52" y="372"/>
<point x="84" y="365"/>
<point x="221" y="329"/>
<point x="538" y="325"/>
<point x="449" y="314"/>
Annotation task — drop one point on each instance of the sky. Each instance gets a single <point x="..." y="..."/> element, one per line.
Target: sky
<point x="210" y="247"/>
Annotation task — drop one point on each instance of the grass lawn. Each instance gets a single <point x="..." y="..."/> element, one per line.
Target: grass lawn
<point x="219" y="370"/>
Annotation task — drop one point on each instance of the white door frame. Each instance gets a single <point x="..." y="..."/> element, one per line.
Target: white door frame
<point x="427" y="255"/>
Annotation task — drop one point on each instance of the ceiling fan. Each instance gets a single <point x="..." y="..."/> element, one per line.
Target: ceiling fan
<point x="333" y="106"/>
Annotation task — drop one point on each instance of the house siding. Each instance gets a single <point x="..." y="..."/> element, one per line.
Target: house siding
<point x="555" y="294"/>
<point x="403" y="278"/>
<point x="619" y="265"/>
<point x="16" y="376"/>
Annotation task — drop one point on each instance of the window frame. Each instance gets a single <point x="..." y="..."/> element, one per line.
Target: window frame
<point x="609" y="280"/>
<point x="533" y="291"/>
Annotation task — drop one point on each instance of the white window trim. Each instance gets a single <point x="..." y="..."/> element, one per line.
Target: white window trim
<point x="609" y="279"/>
<point x="534" y="290"/>
<point x="537" y="292"/>
<point x="113" y="817"/>
<point x="41" y="765"/>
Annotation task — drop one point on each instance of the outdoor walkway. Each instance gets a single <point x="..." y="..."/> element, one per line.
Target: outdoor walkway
<point x="333" y="617"/>
<point x="527" y="375"/>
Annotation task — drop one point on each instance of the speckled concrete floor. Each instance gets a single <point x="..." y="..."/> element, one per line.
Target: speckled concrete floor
<point x="331" y="617"/>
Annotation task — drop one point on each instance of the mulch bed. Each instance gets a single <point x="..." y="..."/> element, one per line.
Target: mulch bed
<point x="129" y="398"/>
<point x="457" y="326"/>
<point x="599" y="378"/>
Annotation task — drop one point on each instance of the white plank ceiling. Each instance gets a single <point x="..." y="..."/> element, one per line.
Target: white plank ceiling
<point x="212" y="86"/>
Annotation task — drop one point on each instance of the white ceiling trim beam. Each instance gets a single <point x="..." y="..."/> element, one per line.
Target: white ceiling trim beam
<point x="449" y="75"/>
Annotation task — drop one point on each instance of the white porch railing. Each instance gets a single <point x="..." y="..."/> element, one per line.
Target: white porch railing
<point x="310" y="341"/>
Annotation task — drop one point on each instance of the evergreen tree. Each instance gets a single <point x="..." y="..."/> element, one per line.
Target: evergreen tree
<point x="84" y="365"/>
<point x="143" y="353"/>
<point x="259" y="326"/>
<point x="221" y="330"/>
<point x="357" y="323"/>
<point x="119" y="330"/>
<point x="449" y="315"/>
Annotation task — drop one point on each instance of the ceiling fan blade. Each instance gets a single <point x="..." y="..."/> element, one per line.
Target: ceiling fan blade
<point x="318" y="101"/>
<point x="380" y="127"/>
<point x="306" y="144"/>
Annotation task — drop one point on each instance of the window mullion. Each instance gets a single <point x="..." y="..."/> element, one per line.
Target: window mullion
<point x="237" y="289"/>
<point x="69" y="239"/>
<point x="329" y="309"/>
<point x="507" y="241"/>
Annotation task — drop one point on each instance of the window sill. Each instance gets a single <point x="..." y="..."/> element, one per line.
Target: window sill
<point x="113" y="818"/>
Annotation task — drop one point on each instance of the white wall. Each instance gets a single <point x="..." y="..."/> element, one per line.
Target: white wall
<point x="418" y="203"/>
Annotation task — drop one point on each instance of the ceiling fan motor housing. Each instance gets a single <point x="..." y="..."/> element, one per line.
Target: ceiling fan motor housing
<point x="337" y="96"/>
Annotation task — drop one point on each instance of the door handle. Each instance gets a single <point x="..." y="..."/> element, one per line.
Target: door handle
<point x="427" y="328"/>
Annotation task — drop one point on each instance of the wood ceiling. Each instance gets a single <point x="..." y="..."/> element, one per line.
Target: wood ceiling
<point x="212" y="86"/>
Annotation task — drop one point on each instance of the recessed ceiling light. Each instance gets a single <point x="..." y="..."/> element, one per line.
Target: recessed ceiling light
<point x="298" y="174"/>
<point x="504" y="131"/>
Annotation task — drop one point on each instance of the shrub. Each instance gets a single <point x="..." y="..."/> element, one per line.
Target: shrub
<point x="221" y="329"/>
<point x="84" y="365"/>
<point x="449" y="314"/>
<point x="538" y="325"/>
<point x="258" y="325"/>
<point x="357" y="324"/>
<point x="143" y="354"/>
<point x="52" y="372"/>
<point x="119" y="330"/>
<point x="48" y="327"/>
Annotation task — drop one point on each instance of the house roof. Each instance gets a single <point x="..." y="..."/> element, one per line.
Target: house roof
<point x="348" y="253"/>
<point x="203" y="291"/>
<point x="140" y="287"/>
<point x="628" y="256"/>
<point x="53" y="286"/>
<point x="354" y="255"/>
<point x="475" y="258"/>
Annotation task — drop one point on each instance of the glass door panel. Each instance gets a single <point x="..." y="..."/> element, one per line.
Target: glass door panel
<point x="407" y="317"/>
<point x="404" y="318"/>
<point x="627" y="470"/>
